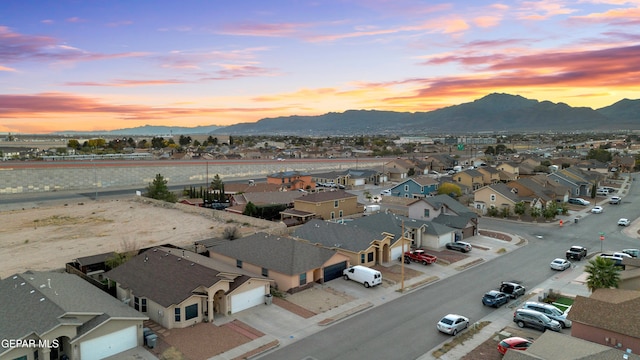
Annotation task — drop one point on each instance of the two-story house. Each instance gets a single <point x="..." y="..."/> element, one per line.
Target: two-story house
<point x="292" y="180"/>
<point x="470" y="178"/>
<point x="415" y="187"/>
<point x="490" y="175"/>
<point x="329" y="204"/>
<point x="447" y="211"/>
<point x="495" y="196"/>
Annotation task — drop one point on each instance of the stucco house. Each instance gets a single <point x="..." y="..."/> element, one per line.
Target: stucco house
<point x="178" y="288"/>
<point x="494" y="196"/>
<point x="292" y="180"/>
<point x="509" y="167"/>
<point x="490" y="175"/>
<point x="444" y="210"/>
<point x="293" y="265"/>
<point x="329" y="204"/>
<point x="62" y="310"/>
<point x="532" y="193"/>
<point x="608" y="317"/>
<point x="361" y="245"/>
<point x="470" y="178"/>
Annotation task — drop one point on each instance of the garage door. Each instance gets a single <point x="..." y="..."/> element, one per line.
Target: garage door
<point x="109" y="345"/>
<point x="396" y="252"/>
<point x="334" y="271"/>
<point x="247" y="299"/>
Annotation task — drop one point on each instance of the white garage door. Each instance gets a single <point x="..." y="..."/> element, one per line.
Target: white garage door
<point x="396" y="252"/>
<point x="109" y="345"/>
<point x="247" y="299"/>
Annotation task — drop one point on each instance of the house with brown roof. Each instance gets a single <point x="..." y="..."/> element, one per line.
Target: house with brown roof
<point x="608" y="317"/>
<point x="509" y="167"/>
<point x="490" y="175"/>
<point x="532" y="193"/>
<point x="292" y="180"/>
<point x="293" y="265"/>
<point x="447" y="211"/>
<point x="362" y="245"/>
<point x="494" y="196"/>
<point x="398" y="169"/>
<point x="178" y="288"/>
<point x="329" y="204"/>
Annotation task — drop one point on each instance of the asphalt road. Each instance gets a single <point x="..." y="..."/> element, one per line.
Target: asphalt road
<point x="405" y="328"/>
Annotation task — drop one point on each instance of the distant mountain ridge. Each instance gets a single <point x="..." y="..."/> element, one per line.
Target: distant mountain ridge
<point x="492" y="113"/>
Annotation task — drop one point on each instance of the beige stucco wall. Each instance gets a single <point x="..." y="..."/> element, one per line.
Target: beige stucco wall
<point x="349" y="206"/>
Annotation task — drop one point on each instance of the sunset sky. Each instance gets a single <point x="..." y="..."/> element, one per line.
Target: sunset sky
<point x="112" y="64"/>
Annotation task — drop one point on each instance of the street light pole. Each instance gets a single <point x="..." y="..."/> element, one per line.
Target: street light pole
<point x="95" y="179"/>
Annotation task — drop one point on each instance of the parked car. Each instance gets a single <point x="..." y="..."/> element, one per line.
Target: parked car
<point x="386" y="192"/>
<point x="551" y="311"/>
<point x="459" y="246"/>
<point x="597" y="209"/>
<point x="633" y="252"/>
<point x="495" y="298"/>
<point x="364" y="275"/>
<point x="615" y="200"/>
<point x="624" y="222"/>
<point x="513" y="343"/>
<point x="512" y="289"/>
<point x="534" y="319"/>
<point x="578" y="201"/>
<point x="560" y="264"/>
<point x="576" y="253"/>
<point x="452" y="324"/>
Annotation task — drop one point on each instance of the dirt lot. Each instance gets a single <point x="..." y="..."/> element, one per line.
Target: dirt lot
<point x="46" y="238"/>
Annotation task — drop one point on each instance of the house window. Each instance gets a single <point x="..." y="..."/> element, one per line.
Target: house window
<point x="303" y="279"/>
<point x="336" y="203"/>
<point x="492" y="197"/>
<point x="265" y="272"/>
<point x="459" y="179"/>
<point x="239" y="264"/>
<point x="426" y="212"/>
<point x="191" y="312"/>
<point x="36" y="355"/>
<point x="370" y="256"/>
<point x="361" y="258"/>
<point x="176" y="314"/>
<point x="422" y="189"/>
<point x="140" y="304"/>
<point x="340" y="213"/>
<point x="333" y="215"/>
<point x="406" y="188"/>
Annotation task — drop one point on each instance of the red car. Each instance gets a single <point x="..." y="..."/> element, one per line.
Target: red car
<point x="513" y="343"/>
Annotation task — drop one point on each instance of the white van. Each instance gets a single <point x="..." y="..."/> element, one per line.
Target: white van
<point x="602" y="192"/>
<point x="364" y="275"/>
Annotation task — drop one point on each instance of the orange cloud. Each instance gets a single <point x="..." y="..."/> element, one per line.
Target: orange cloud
<point x="541" y="10"/>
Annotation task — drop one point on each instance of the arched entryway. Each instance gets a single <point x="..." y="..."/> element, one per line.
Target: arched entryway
<point x="219" y="302"/>
<point x="385" y="253"/>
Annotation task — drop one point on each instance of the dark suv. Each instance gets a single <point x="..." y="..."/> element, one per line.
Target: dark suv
<point x="534" y="319"/>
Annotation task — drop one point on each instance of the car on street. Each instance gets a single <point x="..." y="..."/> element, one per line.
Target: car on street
<point x="615" y="200"/>
<point x="597" y="209"/>
<point x="452" y="324"/>
<point x="560" y="264"/>
<point x="386" y="192"/>
<point x="624" y="222"/>
<point x="459" y="246"/>
<point x="512" y="289"/>
<point x="513" y="343"/>
<point x="495" y="298"/>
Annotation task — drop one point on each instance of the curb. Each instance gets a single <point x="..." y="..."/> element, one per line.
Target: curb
<point x="345" y="314"/>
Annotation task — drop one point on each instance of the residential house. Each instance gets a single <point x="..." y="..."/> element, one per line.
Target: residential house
<point x="441" y="162"/>
<point x="398" y="169"/>
<point x="329" y="204"/>
<point x="75" y="318"/>
<point x="494" y="196"/>
<point x="608" y="317"/>
<point x="630" y="277"/>
<point x="625" y="163"/>
<point x="415" y="187"/>
<point x="284" y="198"/>
<point x="292" y="180"/>
<point x="421" y="233"/>
<point x="509" y="167"/>
<point x="349" y="178"/>
<point x="293" y="265"/>
<point x="490" y="175"/>
<point x="471" y="178"/>
<point x="532" y="193"/>
<point x="361" y="245"/>
<point x="561" y="192"/>
<point x="251" y="187"/>
<point x="551" y="343"/>
<point x="178" y="288"/>
<point x="445" y="210"/>
<point x="578" y="181"/>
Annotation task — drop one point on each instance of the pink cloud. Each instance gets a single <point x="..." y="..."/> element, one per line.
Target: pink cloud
<point x="542" y="9"/>
<point x="260" y="29"/>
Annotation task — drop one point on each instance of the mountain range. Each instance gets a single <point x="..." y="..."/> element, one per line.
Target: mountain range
<point x="492" y="113"/>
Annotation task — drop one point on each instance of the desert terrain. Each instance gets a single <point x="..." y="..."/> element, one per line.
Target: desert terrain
<point x="47" y="237"/>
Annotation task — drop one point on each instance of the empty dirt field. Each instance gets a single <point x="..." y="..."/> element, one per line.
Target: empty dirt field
<point x="46" y="238"/>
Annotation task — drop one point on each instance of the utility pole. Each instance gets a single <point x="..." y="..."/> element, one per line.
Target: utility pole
<point x="402" y="259"/>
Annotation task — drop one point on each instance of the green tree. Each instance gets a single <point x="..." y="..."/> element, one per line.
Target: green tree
<point x="505" y="211"/>
<point x="535" y="212"/>
<point x="231" y="233"/>
<point x="217" y="186"/>
<point x="520" y="208"/>
<point x="550" y="210"/>
<point x="74" y="144"/>
<point x="159" y="190"/>
<point x="250" y="209"/>
<point x="603" y="274"/>
<point x="116" y="260"/>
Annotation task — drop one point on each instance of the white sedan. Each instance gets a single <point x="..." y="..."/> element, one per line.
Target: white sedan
<point x="597" y="210"/>
<point x="560" y="264"/>
<point x="624" y="222"/>
<point x="452" y="324"/>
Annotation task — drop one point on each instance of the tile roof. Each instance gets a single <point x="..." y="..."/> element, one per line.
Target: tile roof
<point x="42" y="301"/>
<point x="332" y="235"/>
<point x="438" y="201"/>
<point x="149" y="273"/>
<point x="278" y="253"/>
<point x="609" y="309"/>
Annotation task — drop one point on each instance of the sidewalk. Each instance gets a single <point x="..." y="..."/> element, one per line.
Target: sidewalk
<point x="284" y="327"/>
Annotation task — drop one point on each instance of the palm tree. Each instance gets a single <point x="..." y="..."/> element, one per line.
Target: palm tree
<point x="603" y="274"/>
